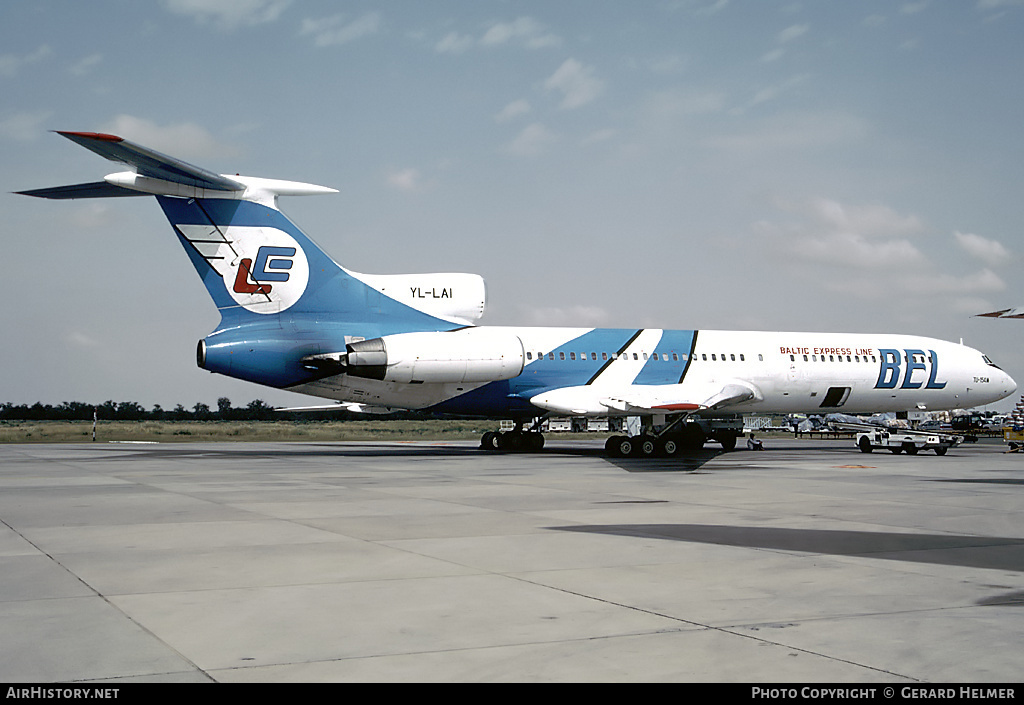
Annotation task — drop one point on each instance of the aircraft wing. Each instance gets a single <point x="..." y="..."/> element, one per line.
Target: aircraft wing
<point x="645" y="399"/>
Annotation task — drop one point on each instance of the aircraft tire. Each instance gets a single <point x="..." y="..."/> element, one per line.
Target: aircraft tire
<point x="646" y="446"/>
<point x="509" y="440"/>
<point x="611" y="445"/>
<point x="489" y="441"/>
<point x="669" y="446"/>
<point x="623" y="446"/>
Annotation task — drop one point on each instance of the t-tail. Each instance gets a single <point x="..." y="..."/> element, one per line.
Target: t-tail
<point x="287" y="309"/>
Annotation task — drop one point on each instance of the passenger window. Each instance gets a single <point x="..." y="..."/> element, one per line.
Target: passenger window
<point x="529" y="356"/>
<point x="593" y="356"/>
<point x="704" y="357"/>
<point x="551" y="356"/>
<point x="604" y="356"/>
<point x="732" y="357"/>
<point x="572" y="356"/>
<point x="561" y="356"/>
<point x="713" y="357"/>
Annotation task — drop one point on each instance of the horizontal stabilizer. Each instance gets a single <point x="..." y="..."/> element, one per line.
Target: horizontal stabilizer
<point x="157" y="174"/>
<point x="148" y="162"/>
<point x="96" y="189"/>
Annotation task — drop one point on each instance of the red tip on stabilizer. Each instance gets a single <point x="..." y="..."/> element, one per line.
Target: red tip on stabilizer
<point x="92" y="135"/>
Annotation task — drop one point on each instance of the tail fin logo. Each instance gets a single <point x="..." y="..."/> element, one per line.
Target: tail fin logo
<point x="249" y="280"/>
<point x="264" y="269"/>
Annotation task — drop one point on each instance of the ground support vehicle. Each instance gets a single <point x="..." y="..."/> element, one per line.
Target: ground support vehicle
<point x="1014" y="436"/>
<point x="899" y="440"/>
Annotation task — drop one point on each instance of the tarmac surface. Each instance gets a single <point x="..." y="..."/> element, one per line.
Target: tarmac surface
<point x="241" y="562"/>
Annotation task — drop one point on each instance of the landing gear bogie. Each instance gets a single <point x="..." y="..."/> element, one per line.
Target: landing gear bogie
<point x="516" y="441"/>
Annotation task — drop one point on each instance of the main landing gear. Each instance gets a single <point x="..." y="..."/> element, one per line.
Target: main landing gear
<point x="689" y="439"/>
<point x="671" y="440"/>
<point x="518" y="440"/>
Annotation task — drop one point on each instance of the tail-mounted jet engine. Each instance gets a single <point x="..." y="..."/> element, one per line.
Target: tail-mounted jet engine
<point x="466" y="355"/>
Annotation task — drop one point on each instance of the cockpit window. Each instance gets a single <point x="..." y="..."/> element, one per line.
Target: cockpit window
<point x="990" y="363"/>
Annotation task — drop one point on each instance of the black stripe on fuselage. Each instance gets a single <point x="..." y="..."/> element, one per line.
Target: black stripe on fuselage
<point x="615" y="356"/>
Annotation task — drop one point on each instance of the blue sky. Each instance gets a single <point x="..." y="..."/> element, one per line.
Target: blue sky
<point x="832" y="166"/>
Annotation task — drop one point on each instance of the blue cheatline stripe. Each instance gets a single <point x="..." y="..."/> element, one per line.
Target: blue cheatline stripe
<point x="670" y="358"/>
<point x="511" y="397"/>
<point x="587" y="349"/>
<point x="612" y="359"/>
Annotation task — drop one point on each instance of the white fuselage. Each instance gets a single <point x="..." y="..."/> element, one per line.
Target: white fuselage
<point x="577" y="370"/>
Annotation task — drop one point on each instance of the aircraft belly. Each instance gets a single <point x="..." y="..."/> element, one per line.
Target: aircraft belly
<point x="387" y="394"/>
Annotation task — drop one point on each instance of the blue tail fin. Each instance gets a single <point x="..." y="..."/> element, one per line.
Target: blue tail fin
<point x="250" y="256"/>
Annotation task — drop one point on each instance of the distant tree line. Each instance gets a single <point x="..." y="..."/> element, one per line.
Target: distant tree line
<point x="256" y="410"/>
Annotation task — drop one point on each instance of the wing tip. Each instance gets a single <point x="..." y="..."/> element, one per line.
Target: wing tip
<point x="98" y="136"/>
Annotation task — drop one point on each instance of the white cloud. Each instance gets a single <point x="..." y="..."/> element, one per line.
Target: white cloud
<point x="934" y="284"/>
<point x="993" y="4"/>
<point x="24" y="127"/>
<point x="531" y="142"/>
<point x="185" y="140"/>
<point x="524" y="30"/>
<point x="869" y="253"/>
<point x="455" y="43"/>
<point x="81" y="340"/>
<point x="772" y="92"/>
<point x="229" y="14"/>
<point x="11" y="64"/>
<point x="513" y="110"/>
<point x="859" y="237"/>
<point x="86" y="65"/>
<point x="790" y="33"/>
<point x="790" y="131"/>
<point x="912" y="8"/>
<point x="713" y="8"/>
<point x="405" y="179"/>
<point x="336" y="30"/>
<point x="991" y="252"/>
<point x="598" y="136"/>
<point x="576" y="83"/>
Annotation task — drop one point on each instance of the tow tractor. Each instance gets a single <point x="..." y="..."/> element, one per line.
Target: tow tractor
<point x="899" y="440"/>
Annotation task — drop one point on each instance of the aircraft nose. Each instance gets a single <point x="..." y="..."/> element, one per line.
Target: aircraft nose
<point x="1011" y="386"/>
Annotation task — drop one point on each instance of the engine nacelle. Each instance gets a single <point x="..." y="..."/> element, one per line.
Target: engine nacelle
<point x="467" y="355"/>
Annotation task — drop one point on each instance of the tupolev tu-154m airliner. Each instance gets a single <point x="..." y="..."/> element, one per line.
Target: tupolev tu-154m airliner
<point x="292" y="318"/>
